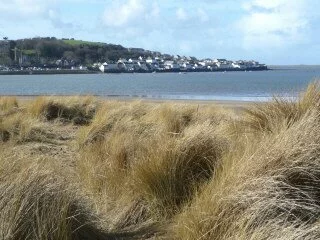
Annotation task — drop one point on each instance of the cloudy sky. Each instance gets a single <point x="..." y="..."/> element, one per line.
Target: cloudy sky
<point x="270" y="31"/>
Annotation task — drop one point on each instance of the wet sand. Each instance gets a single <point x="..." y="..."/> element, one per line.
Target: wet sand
<point x="223" y="103"/>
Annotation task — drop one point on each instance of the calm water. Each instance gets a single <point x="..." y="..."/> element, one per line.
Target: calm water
<point x="245" y="86"/>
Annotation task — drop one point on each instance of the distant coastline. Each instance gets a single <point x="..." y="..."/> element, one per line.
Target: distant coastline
<point x="50" y="55"/>
<point x="250" y="85"/>
<point x="68" y="71"/>
<point x="293" y="67"/>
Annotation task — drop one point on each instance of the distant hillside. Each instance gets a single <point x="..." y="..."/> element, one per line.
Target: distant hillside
<point x="49" y="49"/>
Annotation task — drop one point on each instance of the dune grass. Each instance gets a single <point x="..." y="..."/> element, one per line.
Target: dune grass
<point x="39" y="203"/>
<point x="173" y="171"/>
<point x="8" y="103"/>
<point x="272" y="185"/>
<point x="282" y="112"/>
<point x="161" y="171"/>
<point x="78" y="110"/>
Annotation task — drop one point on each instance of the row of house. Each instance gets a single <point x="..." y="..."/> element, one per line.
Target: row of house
<point x="159" y="64"/>
<point x="3" y="68"/>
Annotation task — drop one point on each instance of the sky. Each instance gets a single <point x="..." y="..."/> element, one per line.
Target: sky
<point x="269" y="31"/>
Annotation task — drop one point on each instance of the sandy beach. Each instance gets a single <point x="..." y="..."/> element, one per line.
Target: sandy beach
<point x="223" y="103"/>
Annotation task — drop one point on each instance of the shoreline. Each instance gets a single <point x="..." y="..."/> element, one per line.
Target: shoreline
<point x="68" y="71"/>
<point x="231" y="104"/>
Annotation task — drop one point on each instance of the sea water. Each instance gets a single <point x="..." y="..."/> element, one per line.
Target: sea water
<point x="237" y="86"/>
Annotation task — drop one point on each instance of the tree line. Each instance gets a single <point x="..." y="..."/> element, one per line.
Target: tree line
<point x="50" y="49"/>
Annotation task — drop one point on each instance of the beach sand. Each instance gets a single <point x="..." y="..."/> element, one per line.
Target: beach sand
<point x="223" y="103"/>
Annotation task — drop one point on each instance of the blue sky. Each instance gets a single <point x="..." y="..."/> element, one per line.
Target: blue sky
<point x="270" y="31"/>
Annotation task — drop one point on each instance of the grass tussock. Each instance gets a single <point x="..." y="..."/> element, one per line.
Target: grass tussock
<point x="268" y="191"/>
<point x="281" y="112"/>
<point x="172" y="172"/>
<point x="37" y="204"/>
<point x="23" y="128"/>
<point x="132" y="155"/>
<point x="78" y="110"/>
<point x="147" y="120"/>
<point x="173" y="120"/>
<point x="7" y="104"/>
<point x="169" y="171"/>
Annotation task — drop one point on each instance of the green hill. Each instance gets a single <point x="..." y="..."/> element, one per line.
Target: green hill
<point x="49" y="49"/>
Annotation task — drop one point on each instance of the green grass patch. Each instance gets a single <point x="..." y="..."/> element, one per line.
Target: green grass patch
<point x="80" y="42"/>
<point x="30" y="52"/>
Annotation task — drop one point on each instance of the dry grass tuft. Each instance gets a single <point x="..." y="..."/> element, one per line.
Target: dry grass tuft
<point x="116" y="117"/>
<point x="272" y="116"/>
<point x="272" y="185"/>
<point x="174" y="170"/>
<point x="23" y="128"/>
<point x="149" y="171"/>
<point x="37" y="204"/>
<point x="78" y="110"/>
<point x="175" y="118"/>
<point x="8" y="103"/>
<point x="136" y="166"/>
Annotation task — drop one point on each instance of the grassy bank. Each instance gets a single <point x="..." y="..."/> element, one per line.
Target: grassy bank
<point x="84" y="168"/>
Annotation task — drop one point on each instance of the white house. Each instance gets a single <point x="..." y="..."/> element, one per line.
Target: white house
<point x="235" y="65"/>
<point x="111" y="67"/>
<point x="185" y="66"/>
<point x="203" y="64"/>
<point x="171" y="65"/>
<point x="143" y="66"/>
<point x="226" y="65"/>
<point x="151" y="61"/>
<point x="103" y="67"/>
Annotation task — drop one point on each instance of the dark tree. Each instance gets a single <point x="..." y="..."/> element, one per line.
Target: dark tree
<point x="50" y="49"/>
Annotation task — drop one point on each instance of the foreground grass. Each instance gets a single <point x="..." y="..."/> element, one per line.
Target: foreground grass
<point x="79" y="168"/>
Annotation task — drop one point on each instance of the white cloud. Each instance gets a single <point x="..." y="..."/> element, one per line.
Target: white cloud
<point x="274" y="23"/>
<point x="202" y="15"/>
<point x="25" y="8"/>
<point x="155" y="11"/>
<point x="35" y="13"/>
<point x="270" y="4"/>
<point x="181" y="14"/>
<point x="122" y="13"/>
<point x="185" y="47"/>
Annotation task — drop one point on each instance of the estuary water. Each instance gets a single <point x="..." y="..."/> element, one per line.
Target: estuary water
<point x="236" y="86"/>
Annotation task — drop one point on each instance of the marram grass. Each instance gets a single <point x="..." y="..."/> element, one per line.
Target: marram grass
<point x="82" y="168"/>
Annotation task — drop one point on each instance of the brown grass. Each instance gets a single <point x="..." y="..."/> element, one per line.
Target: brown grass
<point x="159" y="171"/>
<point x="173" y="171"/>
<point x="275" y="183"/>
<point x="20" y="128"/>
<point x="8" y="103"/>
<point x="78" y="110"/>
<point x="280" y="112"/>
<point x="265" y="189"/>
<point x="37" y="203"/>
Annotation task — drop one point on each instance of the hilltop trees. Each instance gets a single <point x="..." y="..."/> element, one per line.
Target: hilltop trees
<point x="48" y="50"/>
